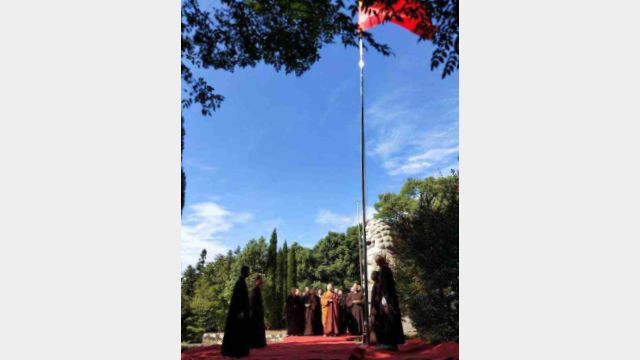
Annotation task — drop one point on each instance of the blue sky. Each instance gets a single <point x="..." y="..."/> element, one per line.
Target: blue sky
<point x="283" y="151"/>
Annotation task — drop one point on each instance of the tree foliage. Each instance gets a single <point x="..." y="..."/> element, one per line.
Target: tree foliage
<point x="292" y="275"/>
<point x="206" y="290"/>
<point x="271" y="287"/>
<point x="287" y="35"/>
<point x="425" y="217"/>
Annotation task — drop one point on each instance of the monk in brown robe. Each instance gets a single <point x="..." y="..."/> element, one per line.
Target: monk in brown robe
<point x="330" y="302"/>
<point x="311" y="304"/>
<point x="355" y="302"/>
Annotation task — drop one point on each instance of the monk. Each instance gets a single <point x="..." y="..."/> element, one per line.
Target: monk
<point x="311" y="304"/>
<point x="355" y="302"/>
<point x="374" y="312"/>
<point x="235" y="342"/>
<point x="344" y="317"/>
<point x="324" y="310"/>
<point x="257" y="337"/>
<point x="290" y="312"/>
<point x="391" y="334"/>
<point x="317" y="313"/>
<point x="330" y="303"/>
<point x="299" y="313"/>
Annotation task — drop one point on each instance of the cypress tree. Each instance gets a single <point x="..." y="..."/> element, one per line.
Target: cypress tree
<point x="278" y="308"/>
<point x="292" y="280"/>
<point x="271" y="298"/>
<point x="284" y="273"/>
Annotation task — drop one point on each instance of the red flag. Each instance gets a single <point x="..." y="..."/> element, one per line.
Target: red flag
<point x="376" y="14"/>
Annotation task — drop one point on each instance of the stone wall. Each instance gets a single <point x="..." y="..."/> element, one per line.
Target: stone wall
<point x="273" y="336"/>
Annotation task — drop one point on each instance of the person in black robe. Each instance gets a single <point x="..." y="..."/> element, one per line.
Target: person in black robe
<point x="316" y="325"/>
<point x="290" y="313"/>
<point x="343" y="318"/>
<point x="235" y="342"/>
<point x="355" y="302"/>
<point x="257" y="336"/>
<point x="298" y="313"/>
<point x="391" y="334"/>
<point x="374" y="308"/>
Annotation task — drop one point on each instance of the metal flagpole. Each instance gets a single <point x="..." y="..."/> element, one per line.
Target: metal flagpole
<point x="364" y="202"/>
<point x="360" y="268"/>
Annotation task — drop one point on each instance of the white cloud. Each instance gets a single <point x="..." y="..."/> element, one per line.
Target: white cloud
<point x="413" y="139"/>
<point x="339" y="222"/>
<point x="335" y="221"/>
<point x="202" y="227"/>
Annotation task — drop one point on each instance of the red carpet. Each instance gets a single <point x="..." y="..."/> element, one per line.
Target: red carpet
<point x="329" y="348"/>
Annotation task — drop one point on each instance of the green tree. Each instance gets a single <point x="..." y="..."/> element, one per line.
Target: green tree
<point x="292" y="274"/>
<point x="284" y="273"/>
<point x="336" y="259"/>
<point x="202" y="260"/>
<point x="427" y="226"/>
<point x="187" y="290"/>
<point x="288" y="35"/>
<point x="271" y="293"/>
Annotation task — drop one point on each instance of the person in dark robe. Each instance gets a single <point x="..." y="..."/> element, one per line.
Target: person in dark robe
<point x="355" y="301"/>
<point x="289" y="312"/>
<point x="391" y="334"/>
<point x="257" y="336"/>
<point x="235" y="342"/>
<point x="316" y="325"/>
<point x="310" y="305"/>
<point x="330" y="302"/>
<point x="374" y="308"/>
<point x="343" y="318"/>
<point x="298" y="313"/>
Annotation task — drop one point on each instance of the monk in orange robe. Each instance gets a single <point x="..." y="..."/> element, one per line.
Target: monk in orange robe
<point x="331" y="303"/>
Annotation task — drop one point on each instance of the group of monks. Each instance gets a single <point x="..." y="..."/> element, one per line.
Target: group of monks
<point x="331" y="313"/>
<point x="313" y="312"/>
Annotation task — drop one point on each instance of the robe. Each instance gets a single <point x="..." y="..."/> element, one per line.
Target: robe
<point x="389" y="318"/>
<point x="299" y="313"/>
<point x="344" y="319"/>
<point x="309" y="311"/>
<point x="355" y="301"/>
<point x="289" y="310"/>
<point x="374" y="314"/>
<point x="330" y="302"/>
<point x="235" y="342"/>
<point x="317" y="317"/>
<point x="324" y="310"/>
<point x="257" y="337"/>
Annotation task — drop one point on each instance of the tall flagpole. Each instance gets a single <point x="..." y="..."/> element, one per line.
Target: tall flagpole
<point x="364" y="202"/>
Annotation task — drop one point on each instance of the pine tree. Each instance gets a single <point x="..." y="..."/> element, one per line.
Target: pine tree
<point x="292" y="280"/>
